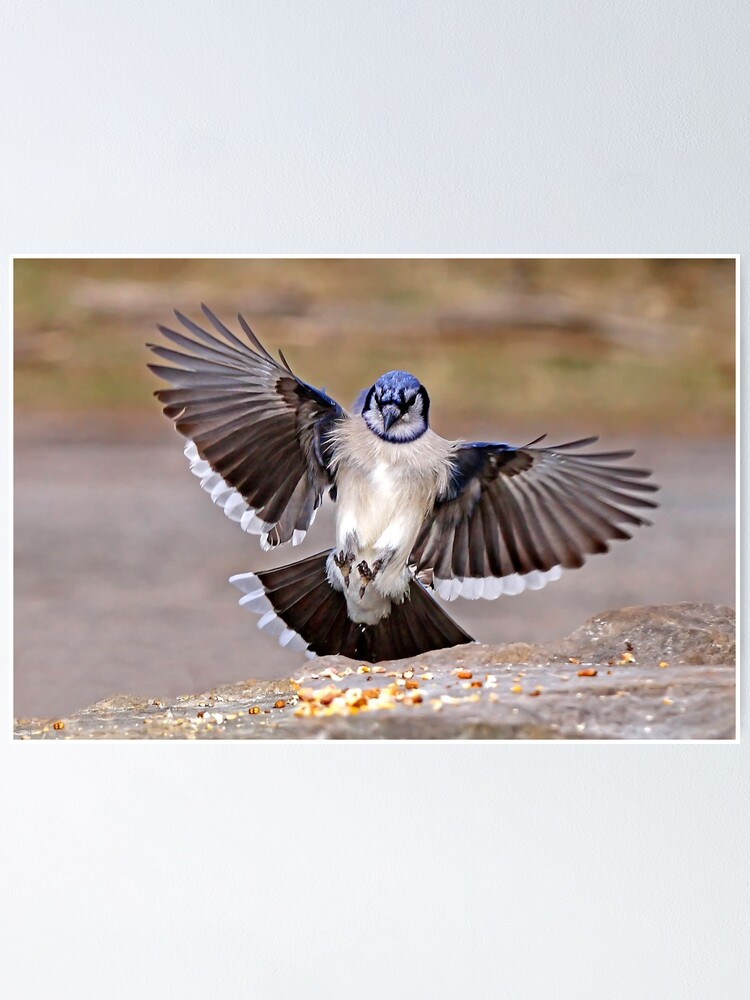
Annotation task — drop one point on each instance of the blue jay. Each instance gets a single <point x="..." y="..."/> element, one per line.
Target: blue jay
<point x="414" y="511"/>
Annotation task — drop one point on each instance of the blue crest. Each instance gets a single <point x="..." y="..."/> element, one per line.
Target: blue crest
<point x="396" y="385"/>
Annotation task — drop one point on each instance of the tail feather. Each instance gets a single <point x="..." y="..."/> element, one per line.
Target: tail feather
<point x="297" y="603"/>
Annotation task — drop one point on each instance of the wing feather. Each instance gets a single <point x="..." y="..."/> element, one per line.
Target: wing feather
<point x="255" y="431"/>
<point x="514" y="517"/>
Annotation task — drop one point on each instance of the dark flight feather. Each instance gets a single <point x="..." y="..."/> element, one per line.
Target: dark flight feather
<point x="257" y="425"/>
<point x="514" y="510"/>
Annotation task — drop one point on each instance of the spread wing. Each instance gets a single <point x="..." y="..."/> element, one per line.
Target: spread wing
<point x="514" y="518"/>
<point x="256" y="433"/>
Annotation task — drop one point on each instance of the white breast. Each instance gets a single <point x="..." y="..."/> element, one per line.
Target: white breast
<point x="375" y="502"/>
<point x="384" y="478"/>
<point x="385" y="490"/>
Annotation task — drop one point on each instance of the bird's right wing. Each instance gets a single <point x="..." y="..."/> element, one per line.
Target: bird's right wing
<point x="256" y="433"/>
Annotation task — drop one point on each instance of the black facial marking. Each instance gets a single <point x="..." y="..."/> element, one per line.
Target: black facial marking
<point x="425" y="402"/>
<point x="368" y="399"/>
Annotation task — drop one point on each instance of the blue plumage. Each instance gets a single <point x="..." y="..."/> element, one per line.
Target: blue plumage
<point x="394" y="385"/>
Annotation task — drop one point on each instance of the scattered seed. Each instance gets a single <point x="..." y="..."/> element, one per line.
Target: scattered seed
<point x="255" y="710"/>
<point x="516" y="689"/>
<point x="464" y="675"/>
<point x="573" y="659"/>
<point x="663" y="664"/>
<point x="59" y="725"/>
<point x="280" y="703"/>
<point x="588" y="672"/>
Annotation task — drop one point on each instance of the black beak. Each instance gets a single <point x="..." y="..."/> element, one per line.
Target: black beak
<point x="391" y="414"/>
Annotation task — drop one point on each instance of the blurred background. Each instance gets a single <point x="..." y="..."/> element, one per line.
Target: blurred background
<point x="121" y="561"/>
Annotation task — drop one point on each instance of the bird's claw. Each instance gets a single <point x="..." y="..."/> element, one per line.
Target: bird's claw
<point x="368" y="574"/>
<point x="343" y="561"/>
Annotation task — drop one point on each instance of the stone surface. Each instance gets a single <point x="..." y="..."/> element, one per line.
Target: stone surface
<point x="642" y="673"/>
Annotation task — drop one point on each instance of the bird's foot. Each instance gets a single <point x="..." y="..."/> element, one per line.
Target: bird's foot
<point x="344" y="561"/>
<point x="367" y="574"/>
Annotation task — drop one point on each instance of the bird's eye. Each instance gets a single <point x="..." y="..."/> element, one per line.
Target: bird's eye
<point x="411" y="400"/>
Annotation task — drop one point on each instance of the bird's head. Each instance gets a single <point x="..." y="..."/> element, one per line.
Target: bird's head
<point x="397" y="407"/>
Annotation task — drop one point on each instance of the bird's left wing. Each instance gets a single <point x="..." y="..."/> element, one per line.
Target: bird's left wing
<point x="514" y="518"/>
<point x="256" y="433"/>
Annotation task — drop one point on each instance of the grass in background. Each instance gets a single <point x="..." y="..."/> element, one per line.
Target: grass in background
<point x="81" y="325"/>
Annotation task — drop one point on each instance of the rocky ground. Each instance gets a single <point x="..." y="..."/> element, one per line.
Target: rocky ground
<point x="641" y="673"/>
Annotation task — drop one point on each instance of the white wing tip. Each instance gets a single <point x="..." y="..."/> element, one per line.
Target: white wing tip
<point x="232" y="502"/>
<point x="225" y="496"/>
<point x="245" y="582"/>
<point x="491" y="587"/>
